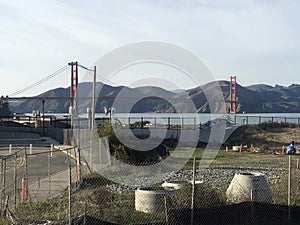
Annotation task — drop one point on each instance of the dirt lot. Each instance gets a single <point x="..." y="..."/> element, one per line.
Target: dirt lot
<point x="266" y="136"/>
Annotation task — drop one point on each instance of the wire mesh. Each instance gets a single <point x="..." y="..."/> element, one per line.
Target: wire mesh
<point x="60" y="186"/>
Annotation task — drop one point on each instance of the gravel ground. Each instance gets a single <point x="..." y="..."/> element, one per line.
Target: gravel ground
<point x="217" y="177"/>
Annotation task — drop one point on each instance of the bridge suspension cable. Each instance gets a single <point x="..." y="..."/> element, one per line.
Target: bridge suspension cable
<point x="59" y="71"/>
<point x="105" y="80"/>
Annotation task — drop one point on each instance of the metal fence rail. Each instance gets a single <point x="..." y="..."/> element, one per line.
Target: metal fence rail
<point x="44" y="185"/>
<point x="33" y="176"/>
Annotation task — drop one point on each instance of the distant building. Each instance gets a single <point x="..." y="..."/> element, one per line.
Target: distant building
<point x="4" y="107"/>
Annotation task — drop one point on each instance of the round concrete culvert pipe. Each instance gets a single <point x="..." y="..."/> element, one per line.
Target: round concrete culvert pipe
<point x="249" y="187"/>
<point x="174" y="185"/>
<point x="149" y="200"/>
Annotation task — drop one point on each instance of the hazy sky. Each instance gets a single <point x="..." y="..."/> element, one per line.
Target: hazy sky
<point x="257" y="40"/>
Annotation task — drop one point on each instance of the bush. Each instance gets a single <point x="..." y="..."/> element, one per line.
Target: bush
<point x="270" y="124"/>
<point x="122" y="152"/>
<point x="204" y="197"/>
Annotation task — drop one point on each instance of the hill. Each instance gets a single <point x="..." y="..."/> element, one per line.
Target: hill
<point x="265" y="136"/>
<point x="259" y="98"/>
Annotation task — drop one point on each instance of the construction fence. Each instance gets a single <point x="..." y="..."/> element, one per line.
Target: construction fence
<point x="37" y="183"/>
<point x="42" y="185"/>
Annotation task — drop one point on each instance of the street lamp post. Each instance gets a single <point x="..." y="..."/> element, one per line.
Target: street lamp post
<point x="43" y="101"/>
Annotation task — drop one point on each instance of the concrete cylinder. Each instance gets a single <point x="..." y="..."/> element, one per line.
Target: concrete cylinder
<point x="236" y="148"/>
<point x="249" y="187"/>
<point x="174" y="185"/>
<point x="148" y="200"/>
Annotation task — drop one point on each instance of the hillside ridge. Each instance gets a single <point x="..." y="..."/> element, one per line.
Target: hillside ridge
<point x="259" y="98"/>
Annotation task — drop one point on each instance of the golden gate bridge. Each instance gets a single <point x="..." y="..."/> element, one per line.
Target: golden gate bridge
<point x="72" y="98"/>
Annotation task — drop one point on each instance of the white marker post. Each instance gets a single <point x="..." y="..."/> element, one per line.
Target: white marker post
<point x="30" y="149"/>
<point x="10" y="149"/>
<point x="51" y="153"/>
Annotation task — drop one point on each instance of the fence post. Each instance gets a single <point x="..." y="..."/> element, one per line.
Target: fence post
<point x="4" y="180"/>
<point x="3" y="184"/>
<point x="26" y="173"/>
<point x="49" y="174"/>
<point x="289" y="190"/>
<point x="91" y="154"/>
<point x="78" y="164"/>
<point x="15" y="179"/>
<point x="24" y="189"/>
<point x="70" y="190"/>
<point x="193" y="191"/>
<point x="252" y="206"/>
<point x="166" y="209"/>
<point x="51" y="150"/>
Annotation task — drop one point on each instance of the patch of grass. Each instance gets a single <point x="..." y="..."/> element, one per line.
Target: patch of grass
<point x="237" y="159"/>
<point x="53" y="209"/>
<point x="4" y="222"/>
<point x="95" y="180"/>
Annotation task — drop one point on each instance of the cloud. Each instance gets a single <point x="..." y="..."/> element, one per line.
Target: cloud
<point x="232" y="35"/>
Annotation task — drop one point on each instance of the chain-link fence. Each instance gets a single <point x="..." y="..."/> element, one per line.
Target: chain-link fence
<point x="41" y="185"/>
<point x="37" y="184"/>
<point x="237" y="188"/>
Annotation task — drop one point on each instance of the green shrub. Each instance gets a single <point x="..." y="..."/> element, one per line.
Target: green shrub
<point x="204" y="197"/>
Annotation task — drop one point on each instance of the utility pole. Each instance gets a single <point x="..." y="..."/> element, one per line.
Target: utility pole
<point x="94" y="98"/>
<point x="43" y="101"/>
